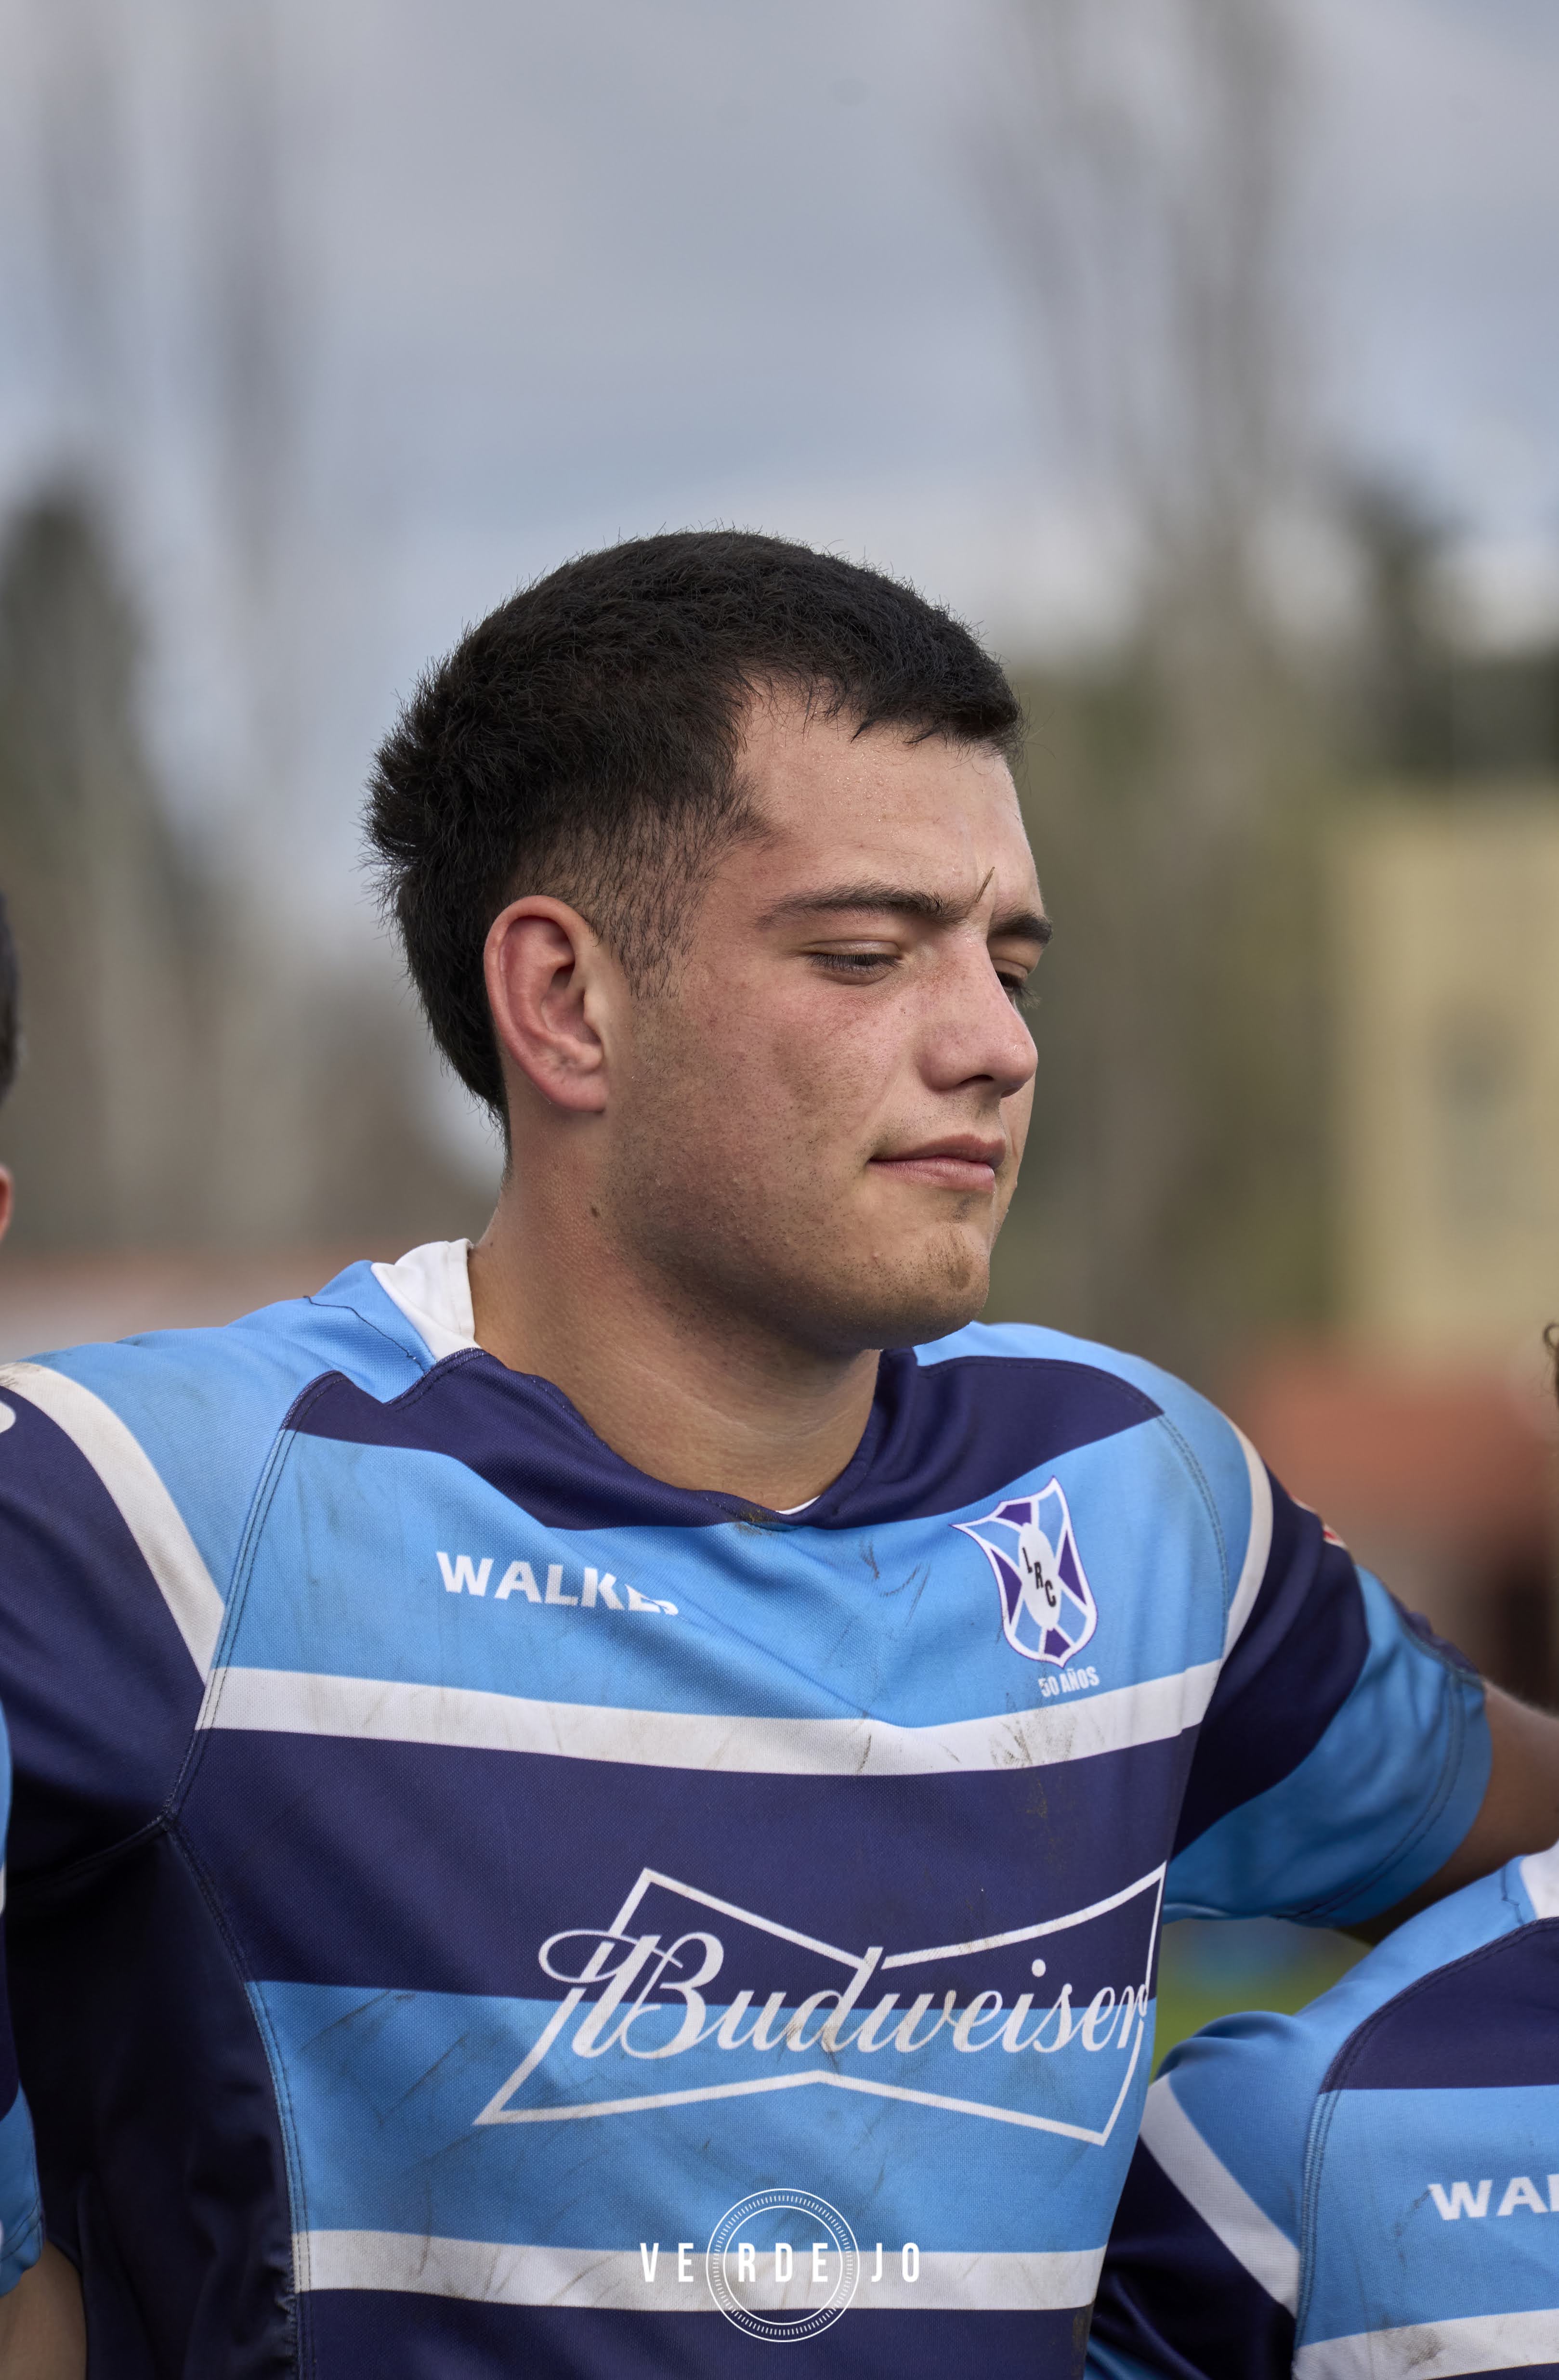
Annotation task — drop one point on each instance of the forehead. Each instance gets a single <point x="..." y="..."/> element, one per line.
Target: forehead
<point x="833" y="800"/>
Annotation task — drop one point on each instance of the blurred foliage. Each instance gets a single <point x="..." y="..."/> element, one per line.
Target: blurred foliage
<point x="1180" y="795"/>
<point x="1174" y="1191"/>
<point x="1207" y="1971"/>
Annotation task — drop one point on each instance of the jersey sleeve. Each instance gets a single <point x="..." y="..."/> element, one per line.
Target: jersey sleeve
<point x="22" y="2214"/>
<point x="1202" y="2276"/>
<point x="1345" y="1752"/>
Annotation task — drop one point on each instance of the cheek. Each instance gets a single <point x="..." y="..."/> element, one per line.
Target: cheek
<point x="1018" y="1113"/>
<point x="780" y="1072"/>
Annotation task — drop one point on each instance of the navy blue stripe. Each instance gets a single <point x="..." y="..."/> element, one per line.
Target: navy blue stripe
<point x="100" y="1692"/>
<point x="361" y="2335"/>
<point x="1295" y="1666"/>
<point x="940" y="1437"/>
<point x="479" y="1856"/>
<point x="1487" y="2022"/>
<point x="1173" y="2296"/>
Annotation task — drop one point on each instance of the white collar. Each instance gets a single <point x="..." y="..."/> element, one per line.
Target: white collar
<point x="432" y="1288"/>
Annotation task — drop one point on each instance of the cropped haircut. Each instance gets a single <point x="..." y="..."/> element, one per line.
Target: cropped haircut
<point x="10" y="1000"/>
<point x="584" y="741"/>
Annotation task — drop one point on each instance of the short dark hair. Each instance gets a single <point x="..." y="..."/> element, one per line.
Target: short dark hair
<point x="10" y="997"/>
<point x="583" y="742"/>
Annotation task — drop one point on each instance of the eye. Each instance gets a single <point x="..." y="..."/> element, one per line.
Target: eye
<point x="858" y="967"/>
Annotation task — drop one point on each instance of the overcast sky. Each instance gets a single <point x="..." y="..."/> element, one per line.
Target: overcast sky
<point x="568" y="272"/>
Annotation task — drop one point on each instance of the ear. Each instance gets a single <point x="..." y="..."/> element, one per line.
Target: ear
<point x="550" y="984"/>
<point x="5" y="1198"/>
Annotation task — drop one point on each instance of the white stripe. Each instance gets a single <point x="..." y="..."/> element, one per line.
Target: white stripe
<point x="497" y="2274"/>
<point x="1436" y="2351"/>
<point x="1227" y="2209"/>
<point x="148" y="1511"/>
<point x="1539" y="1875"/>
<point x="1258" y="1546"/>
<point x="294" y="1702"/>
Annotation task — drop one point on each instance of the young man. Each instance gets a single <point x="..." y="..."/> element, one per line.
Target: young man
<point x="591" y="1804"/>
<point x="40" y="2305"/>
<point x="1366" y="2188"/>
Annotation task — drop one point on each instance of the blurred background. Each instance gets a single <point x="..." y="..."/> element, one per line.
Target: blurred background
<point x="1201" y="353"/>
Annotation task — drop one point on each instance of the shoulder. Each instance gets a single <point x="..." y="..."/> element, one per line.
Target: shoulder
<point x="184" y="1418"/>
<point x="1235" y="2105"/>
<point x="1111" y="1394"/>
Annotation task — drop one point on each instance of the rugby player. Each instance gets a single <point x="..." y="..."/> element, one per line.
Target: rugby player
<point x="1366" y="2188"/>
<point x="41" y="2335"/>
<point x="589" y="1804"/>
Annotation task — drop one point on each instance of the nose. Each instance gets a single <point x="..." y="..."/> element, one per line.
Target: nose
<point x="979" y="1037"/>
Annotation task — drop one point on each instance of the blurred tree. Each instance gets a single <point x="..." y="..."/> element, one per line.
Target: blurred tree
<point x="1397" y="710"/>
<point x="102" y="1129"/>
<point x="1175" y="1195"/>
<point x="133" y="1084"/>
<point x="1419" y="702"/>
<point x="197" y="1067"/>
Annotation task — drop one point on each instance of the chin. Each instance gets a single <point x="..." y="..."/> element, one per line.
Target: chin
<point x="926" y="1302"/>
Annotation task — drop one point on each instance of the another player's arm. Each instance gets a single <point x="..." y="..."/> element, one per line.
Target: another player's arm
<point x="1519" y="1811"/>
<point x="43" y="2330"/>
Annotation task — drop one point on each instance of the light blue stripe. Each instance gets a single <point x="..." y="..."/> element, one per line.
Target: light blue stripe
<point x="384" y="2088"/>
<point x="903" y="1619"/>
<point x="1383" y="2257"/>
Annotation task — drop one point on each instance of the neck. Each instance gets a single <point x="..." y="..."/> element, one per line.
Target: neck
<point x="695" y="1399"/>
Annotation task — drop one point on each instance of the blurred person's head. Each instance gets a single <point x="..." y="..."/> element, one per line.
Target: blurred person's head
<point x="710" y="870"/>
<point x="10" y="1040"/>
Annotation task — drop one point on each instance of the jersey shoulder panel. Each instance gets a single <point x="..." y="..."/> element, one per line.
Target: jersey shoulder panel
<point x="128" y="1472"/>
<point x="203" y="1406"/>
<point x="1227" y="1475"/>
<point x="1249" y="2085"/>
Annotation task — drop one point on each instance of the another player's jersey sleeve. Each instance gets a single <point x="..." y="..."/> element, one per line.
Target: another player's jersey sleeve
<point x="21" y="2215"/>
<point x="108" y="1615"/>
<point x="1292" y="2193"/>
<point x="1345" y="1753"/>
<point x="128" y="1474"/>
<point x="1201" y="2278"/>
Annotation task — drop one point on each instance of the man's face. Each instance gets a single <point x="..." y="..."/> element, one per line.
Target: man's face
<point x="819" y="1126"/>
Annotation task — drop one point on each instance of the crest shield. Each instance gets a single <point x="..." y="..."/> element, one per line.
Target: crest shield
<point x="1048" y="1611"/>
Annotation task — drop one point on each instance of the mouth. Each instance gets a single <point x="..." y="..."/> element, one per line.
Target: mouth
<point x="961" y="1161"/>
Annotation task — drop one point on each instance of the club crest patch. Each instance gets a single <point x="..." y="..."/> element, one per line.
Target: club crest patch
<point x="1048" y="1611"/>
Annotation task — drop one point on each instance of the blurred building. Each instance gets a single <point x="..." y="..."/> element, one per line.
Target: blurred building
<point x="1425" y="1431"/>
<point x="1448" y="1075"/>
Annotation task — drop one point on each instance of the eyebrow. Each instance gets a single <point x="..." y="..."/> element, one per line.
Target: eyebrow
<point x="908" y="901"/>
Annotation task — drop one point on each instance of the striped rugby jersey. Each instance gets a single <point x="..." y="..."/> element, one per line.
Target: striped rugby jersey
<point x="478" y="1908"/>
<point x="22" y="2214"/>
<point x="1366" y="2191"/>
